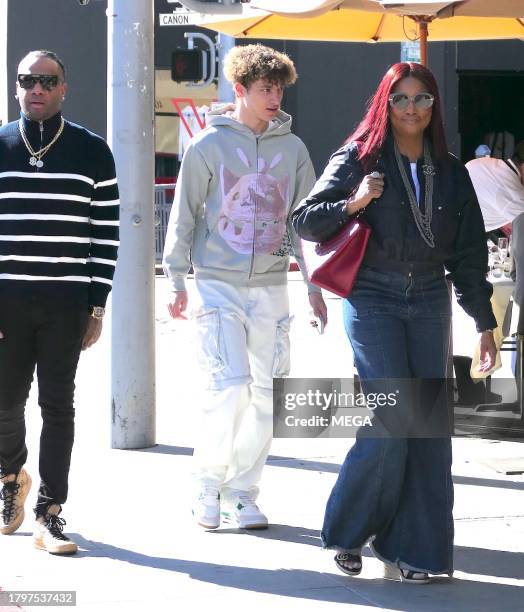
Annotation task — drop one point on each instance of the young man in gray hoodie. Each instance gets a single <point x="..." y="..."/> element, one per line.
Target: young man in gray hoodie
<point x="239" y="181"/>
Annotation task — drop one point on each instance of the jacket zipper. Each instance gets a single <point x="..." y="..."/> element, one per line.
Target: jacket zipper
<point x="254" y="212"/>
<point x="41" y="127"/>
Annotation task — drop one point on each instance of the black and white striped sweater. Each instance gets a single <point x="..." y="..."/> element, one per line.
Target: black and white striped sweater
<point x="58" y="223"/>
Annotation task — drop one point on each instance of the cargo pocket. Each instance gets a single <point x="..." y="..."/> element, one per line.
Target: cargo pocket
<point x="210" y="352"/>
<point x="281" y="357"/>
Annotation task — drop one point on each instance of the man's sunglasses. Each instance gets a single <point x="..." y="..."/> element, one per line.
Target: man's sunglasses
<point x="401" y="101"/>
<point x="47" y="81"/>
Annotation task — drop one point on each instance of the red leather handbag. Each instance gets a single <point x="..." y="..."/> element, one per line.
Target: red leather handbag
<point x="334" y="264"/>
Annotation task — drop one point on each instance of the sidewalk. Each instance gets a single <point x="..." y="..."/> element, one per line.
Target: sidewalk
<point x="129" y="510"/>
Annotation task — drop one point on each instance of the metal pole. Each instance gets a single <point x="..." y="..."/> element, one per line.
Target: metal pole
<point x="131" y="135"/>
<point x="225" y="91"/>
<point x="423" y="24"/>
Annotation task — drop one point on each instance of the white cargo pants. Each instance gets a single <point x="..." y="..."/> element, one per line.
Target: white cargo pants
<point x="243" y="341"/>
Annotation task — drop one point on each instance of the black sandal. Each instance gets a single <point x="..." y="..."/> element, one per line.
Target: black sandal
<point x="414" y="577"/>
<point x="356" y="560"/>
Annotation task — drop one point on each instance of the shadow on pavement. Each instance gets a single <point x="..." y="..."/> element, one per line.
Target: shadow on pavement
<point x="282" y="533"/>
<point x="481" y="561"/>
<point x="165" y="449"/>
<point x="443" y="593"/>
<point x="285" y="582"/>
<point x="488" y="482"/>
<point x="456" y="595"/>
<point x="487" y="562"/>
<point x="332" y="468"/>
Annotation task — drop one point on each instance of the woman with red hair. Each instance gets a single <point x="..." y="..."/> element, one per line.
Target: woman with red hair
<point x="394" y="489"/>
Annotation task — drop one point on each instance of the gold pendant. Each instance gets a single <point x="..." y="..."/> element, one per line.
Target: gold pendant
<point x="32" y="161"/>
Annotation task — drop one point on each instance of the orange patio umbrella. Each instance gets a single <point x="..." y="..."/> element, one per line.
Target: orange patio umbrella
<point x="373" y="20"/>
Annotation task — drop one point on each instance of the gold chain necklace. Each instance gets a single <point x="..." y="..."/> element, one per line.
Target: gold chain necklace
<point x="36" y="156"/>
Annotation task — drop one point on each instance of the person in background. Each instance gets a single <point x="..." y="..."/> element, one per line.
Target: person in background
<point x="395" y="490"/>
<point x="499" y="185"/>
<point x="482" y="151"/>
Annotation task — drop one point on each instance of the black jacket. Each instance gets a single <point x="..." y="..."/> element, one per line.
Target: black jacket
<point x="395" y="243"/>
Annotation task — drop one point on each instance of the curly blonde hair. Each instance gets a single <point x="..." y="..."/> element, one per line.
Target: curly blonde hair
<point x="250" y="63"/>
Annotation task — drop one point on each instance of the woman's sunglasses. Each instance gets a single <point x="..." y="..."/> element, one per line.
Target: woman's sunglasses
<point x="47" y="81"/>
<point x="401" y="101"/>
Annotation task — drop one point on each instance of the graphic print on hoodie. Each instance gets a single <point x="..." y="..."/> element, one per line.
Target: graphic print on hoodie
<point x="254" y="207"/>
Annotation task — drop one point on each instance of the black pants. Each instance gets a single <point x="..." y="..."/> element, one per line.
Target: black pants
<point x="47" y="332"/>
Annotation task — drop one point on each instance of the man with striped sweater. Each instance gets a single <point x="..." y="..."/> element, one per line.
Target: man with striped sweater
<point x="58" y="246"/>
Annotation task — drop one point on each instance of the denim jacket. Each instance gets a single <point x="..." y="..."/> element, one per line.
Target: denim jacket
<point x="395" y="243"/>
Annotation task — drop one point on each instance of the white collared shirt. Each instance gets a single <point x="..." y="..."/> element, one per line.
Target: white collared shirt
<point x="413" y="166"/>
<point x="499" y="190"/>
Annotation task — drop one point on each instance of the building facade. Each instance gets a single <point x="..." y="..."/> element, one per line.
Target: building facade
<point x="482" y="83"/>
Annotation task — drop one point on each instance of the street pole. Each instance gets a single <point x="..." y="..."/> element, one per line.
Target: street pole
<point x="225" y="91"/>
<point x="130" y="108"/>
<point x="424" y="42"/>
<point x="423" y="22"/>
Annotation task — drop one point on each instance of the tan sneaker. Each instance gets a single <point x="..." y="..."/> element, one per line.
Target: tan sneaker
<point x="12" y="497"/>
<point x="48" y="534"/>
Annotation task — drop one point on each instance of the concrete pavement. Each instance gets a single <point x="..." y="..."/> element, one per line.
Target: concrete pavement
<point x="129" y="510"/>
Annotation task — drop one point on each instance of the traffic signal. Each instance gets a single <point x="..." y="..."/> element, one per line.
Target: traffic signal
<point x="188" y="65"/>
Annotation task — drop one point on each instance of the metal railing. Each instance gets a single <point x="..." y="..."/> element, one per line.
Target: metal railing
<point x="163" y="202"/>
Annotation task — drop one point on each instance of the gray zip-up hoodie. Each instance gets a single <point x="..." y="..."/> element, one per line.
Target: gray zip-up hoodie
<point x="233" y="202"/>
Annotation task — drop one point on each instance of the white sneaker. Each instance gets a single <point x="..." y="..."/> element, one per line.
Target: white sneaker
<point x="206" y="509"/>
<point x="49" y="533"/>
<point x="241" y="510"/>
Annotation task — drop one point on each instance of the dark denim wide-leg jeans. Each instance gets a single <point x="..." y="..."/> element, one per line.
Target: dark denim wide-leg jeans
<point x="397" y="490"/>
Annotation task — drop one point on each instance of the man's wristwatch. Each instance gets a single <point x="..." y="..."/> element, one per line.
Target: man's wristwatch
<point x="97" y="312"/>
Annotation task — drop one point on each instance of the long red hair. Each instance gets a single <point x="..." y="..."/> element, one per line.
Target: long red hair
<point x="372" y="131"/>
